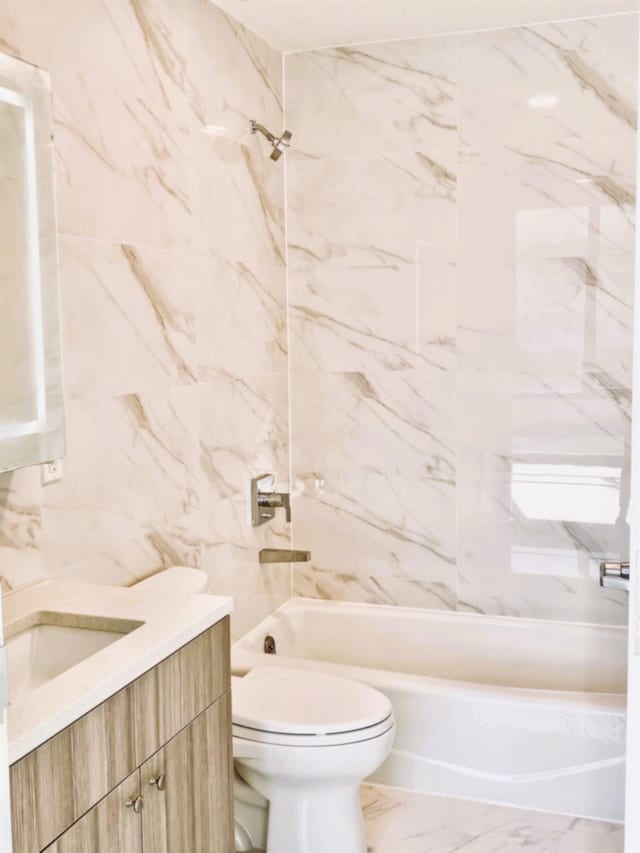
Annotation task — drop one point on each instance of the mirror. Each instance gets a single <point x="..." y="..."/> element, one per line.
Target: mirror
<point x="31" y="397"/>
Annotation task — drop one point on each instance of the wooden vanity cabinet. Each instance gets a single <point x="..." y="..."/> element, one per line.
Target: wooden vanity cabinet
<point x="148" y="770"/>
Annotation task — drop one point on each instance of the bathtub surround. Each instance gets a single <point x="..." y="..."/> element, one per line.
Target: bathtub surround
<point x="506" y="710"/>
<point x="173" y="296"/>
<point x="461" y="239"/>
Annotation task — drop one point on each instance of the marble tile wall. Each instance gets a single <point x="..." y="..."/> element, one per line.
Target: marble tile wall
<point x="174" y="298"/>
<point x="460" y="229"/>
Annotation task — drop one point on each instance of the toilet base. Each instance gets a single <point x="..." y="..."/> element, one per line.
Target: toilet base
<point x="312" y="792"/>
<point x="251" y="817"/>
<point x="311" y="818"/>
<point x="316" y="822"/>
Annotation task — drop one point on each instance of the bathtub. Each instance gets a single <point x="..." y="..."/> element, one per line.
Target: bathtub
<point x="513" y="711"/>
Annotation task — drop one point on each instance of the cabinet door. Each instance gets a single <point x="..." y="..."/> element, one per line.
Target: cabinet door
<point x="188" y="788"/>
<point x="111" y="826"/>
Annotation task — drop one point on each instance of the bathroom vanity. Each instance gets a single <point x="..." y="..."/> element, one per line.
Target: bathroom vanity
<point x="130" y="748"/>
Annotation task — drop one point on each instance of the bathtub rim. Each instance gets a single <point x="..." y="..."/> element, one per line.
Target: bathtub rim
<point x="243" y="659"/>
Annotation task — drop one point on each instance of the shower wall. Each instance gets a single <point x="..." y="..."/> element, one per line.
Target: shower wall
<point x="171" y="232"/>
<point x="461" y="253"/>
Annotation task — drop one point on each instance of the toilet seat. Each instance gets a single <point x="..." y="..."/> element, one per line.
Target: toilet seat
<point x="294" y="707"/>
<point x="283" y="739"/>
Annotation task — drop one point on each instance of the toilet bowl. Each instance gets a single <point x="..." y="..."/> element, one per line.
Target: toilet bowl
<point x="305" y="742"/>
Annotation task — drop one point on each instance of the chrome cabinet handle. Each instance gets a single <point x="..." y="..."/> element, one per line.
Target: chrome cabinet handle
<point x="159" y="781"/>
<point x="135" y="803"/>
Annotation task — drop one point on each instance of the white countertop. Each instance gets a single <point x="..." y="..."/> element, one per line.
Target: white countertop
<point x="173" y="609"/>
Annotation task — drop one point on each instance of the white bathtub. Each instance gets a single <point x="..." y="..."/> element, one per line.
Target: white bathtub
<point x="514" y="711"/>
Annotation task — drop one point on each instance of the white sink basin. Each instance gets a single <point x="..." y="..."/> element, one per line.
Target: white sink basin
<point x="44" y="651"/>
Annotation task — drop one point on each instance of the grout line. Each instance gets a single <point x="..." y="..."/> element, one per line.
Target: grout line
<point x="288" y="321"/>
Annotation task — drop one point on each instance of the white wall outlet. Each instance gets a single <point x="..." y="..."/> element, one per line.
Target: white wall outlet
<point x="51" y="472"/>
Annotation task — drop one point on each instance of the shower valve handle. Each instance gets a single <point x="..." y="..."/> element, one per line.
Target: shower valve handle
<point x="615" y="575"/>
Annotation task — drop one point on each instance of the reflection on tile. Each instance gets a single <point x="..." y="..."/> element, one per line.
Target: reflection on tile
<point x="465" y="319"/>
<point x="397" y="821"/>
<point x="549" y="82"/>
<point x="547" y="315"/>
<point x="382" y="98"/>
<point x="543" y="487"/>
<point x="570" y="199"/>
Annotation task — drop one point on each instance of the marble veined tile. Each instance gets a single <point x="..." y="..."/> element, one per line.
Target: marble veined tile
<point x="243" y="433"/>
<point x="132" y="468"/>
<point x="382" y="808"/>
<point x="373" y="99"/>
<point x="129" y="317"/>
<point x="543" y="491"/>
<point x="120" y="138"/>
<point x="399" y="317"/>
<point x="384" y="540"/>
<point x="381" y="422"/>
<point x="547" y="315"/>
<point x="373" y="212"/>
<point x="549" y="82"/>
<point x="241" y="322"/>
<point x="124" y="563"/>
<point x="237" y="202"/>
<point x="21" y="526"/>
<point x="533" y="200"/>
<point x="9" y="22"/>
<point x="228" y="550"/>
<point x="247" y="73"/>
<point x="398" y="821"/>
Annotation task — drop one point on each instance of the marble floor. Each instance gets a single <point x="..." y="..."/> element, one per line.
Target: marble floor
<point x="402" y="822"/>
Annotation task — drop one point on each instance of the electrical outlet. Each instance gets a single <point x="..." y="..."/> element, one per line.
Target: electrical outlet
<point x="51" y="472"/>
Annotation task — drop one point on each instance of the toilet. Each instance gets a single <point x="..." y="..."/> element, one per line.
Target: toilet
<point x="303" y="743"/>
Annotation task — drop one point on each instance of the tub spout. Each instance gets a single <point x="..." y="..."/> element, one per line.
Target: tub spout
<point x="276" y="555"/>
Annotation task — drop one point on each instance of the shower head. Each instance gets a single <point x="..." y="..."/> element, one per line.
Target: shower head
<point x="278" y="143"/>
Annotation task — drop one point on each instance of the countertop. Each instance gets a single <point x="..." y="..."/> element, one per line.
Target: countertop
<point x="173" y="609"/>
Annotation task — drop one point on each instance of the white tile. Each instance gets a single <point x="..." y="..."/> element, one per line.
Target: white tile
<point x="375" y="99"/>
<point x="549" y="82"/>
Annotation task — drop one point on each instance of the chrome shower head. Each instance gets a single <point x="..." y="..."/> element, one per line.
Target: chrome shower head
<point x="278" y="143"/>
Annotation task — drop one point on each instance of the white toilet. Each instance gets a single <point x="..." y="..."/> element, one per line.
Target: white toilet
<point x="303" y="742"/>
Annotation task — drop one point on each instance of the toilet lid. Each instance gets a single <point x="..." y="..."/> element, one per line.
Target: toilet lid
<point x="295" y="701"/>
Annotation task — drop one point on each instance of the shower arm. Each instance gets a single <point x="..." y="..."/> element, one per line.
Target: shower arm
<point x="256" y="127"/>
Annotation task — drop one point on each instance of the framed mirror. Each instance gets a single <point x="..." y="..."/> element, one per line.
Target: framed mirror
<point x="31" y="393"/>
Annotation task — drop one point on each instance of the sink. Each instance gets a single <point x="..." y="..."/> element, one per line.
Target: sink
<point x="47" y="648"/>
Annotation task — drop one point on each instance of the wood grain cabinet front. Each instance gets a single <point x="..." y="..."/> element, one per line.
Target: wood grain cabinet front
<point x="188" y="796"/>
<point x="113" y="826"/>
<point x="75" y="776"/>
